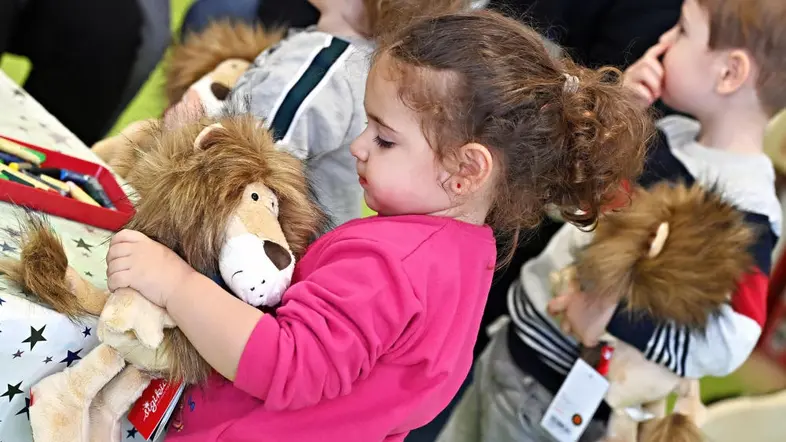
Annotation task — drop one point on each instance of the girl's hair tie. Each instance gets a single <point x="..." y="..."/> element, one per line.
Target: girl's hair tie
<point x="571" y="84"/>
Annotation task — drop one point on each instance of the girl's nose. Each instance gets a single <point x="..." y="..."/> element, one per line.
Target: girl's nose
<point x="357" y="149"/>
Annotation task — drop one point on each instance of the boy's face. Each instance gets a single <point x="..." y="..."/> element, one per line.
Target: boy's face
<point x="690" y="67"/>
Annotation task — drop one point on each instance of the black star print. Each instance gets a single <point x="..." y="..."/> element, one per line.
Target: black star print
<point x="11" y="232"/>
<point x="23" y="118"/>
<point x="48" y="360"/>
<point x="23" y="129"/>
<point x="6" y="247"/>
<point x="2" y="301"/>
<point x="36" y="336"/>
<point x="19" y="93"/>
<point x="131" y="433"/>
<point x="86" y="255"/>
<point x="72" y="357"/>
<point x="86" y="331"/>
<point x="88" y="274"/>
<point x="42" y="125"/>
<point x="12" y="391"/>
<point x="18" y="354"/>
<point x="58" y="138"/>
<point x="81" y="243"/>
<point x="25" y="410"/>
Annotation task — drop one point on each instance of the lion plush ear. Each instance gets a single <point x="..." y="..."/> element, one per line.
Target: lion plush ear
<point x="659" y="240"/>
<point x="200" y="142"/>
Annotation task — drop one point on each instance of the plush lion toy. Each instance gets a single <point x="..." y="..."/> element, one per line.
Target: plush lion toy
<point x="639" y="254"/>
<point x="201" y="71"/>
<point x="226" y="200"/>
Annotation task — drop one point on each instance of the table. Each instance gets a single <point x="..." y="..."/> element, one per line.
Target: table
<point x="34" y="340"/>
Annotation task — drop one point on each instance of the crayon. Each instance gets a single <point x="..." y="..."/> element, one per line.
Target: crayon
<point x="20" y="151"/>
<point x="54" y="182"/>
<point x="94" y="189"/>
<point x="62" y="191"/>
<point x="61" y="174"/>
<point x="23" y="179"/>
<point x="8" y="158"/>
<point x="78" y="194"/>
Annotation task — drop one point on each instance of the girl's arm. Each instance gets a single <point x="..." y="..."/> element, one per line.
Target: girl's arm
<point x="332" y="328"/>
<point x="215" y="322"/>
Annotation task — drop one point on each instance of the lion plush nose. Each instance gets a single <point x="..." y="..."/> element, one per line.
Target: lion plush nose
<point x="280" y="257"/>
<point x="255" y="269"/>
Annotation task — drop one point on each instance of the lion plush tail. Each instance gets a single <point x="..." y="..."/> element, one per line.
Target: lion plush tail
<point x="682" y="425"/>
<point x="200" y="53"/>
<point x="42" y="271"/>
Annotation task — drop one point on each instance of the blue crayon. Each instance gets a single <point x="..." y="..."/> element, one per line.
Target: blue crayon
<point x="8" y="158"/>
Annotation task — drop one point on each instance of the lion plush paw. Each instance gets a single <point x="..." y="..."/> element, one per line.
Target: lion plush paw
<point x="127" y="311"/>
<point x="60" y="403"/>
<point x="113" y="401"/>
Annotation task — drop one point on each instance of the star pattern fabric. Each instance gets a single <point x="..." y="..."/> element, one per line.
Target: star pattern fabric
<point x="35" y="341"/>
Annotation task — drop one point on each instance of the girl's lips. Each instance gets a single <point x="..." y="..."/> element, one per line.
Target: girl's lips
<point x="362" y="181"/>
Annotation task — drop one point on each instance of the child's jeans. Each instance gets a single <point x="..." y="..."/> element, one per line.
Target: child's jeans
<point x="503" y="403"/>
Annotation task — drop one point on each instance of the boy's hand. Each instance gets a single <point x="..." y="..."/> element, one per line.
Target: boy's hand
<point x="584" y="317"/>
<point x="138" y="262"/>
<point x="645" y="76"/>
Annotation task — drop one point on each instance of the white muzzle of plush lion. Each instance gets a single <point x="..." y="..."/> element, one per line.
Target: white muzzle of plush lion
<point x="255" y="269"/>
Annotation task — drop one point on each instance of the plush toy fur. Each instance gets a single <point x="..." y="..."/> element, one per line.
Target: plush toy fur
<point x="191" y="181"/>
<point x="694" y="273"/>
<point x="199" y="54"/>
<point x="676" y="252"/>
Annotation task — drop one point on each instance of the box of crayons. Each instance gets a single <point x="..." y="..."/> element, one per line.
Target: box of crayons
<point x="61" y="185"/>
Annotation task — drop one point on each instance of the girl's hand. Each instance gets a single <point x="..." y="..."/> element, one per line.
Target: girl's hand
<point x="645" y="76"/>
<point x="138" y="262"/>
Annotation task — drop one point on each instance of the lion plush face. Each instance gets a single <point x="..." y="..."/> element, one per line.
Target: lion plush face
<point x="223" y="199"/>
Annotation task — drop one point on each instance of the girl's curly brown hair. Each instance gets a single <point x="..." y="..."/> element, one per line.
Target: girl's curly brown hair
<point x="561" y="134"/>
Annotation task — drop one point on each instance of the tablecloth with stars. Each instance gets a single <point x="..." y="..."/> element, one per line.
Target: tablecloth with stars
<point x="34" y="340"/>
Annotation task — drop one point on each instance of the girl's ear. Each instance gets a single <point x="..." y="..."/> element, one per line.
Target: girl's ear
<point x="475" y="166"/>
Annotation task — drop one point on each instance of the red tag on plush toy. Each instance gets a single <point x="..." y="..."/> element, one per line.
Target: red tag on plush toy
<point x="151" y="411"/>
<point x="606" y="352"/>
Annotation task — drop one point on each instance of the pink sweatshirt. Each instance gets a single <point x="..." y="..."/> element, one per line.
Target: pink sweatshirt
<point x="372" y="340"/>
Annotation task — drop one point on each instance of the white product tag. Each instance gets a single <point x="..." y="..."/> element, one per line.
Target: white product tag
<point x="575" y="403"/>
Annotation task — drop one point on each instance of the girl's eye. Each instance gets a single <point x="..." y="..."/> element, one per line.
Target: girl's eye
<point x="255" y="196"/>
<point x="383" y="143"/>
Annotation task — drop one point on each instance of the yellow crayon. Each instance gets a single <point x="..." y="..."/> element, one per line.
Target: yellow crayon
<point x="54" y="182"/>
<point x="18" y="151"/>
<point x="78" y="194"/>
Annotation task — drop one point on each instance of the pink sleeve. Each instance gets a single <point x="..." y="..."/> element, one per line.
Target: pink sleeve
<point x="334" y="326"/>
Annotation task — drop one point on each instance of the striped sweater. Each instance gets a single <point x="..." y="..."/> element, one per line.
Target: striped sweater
<point x="309" y="90"/>
<point x="747" y="181"/>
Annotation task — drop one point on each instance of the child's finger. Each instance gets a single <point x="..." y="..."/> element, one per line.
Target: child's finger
<point x="558" y="305"/>
<point x="117" y="265"/>
<point x="643" y="92"/>
<point x="116" y="251"/>
<point x="127" y="235"/>
<point x="652" y="81"/>
<point x="118" y="280"/>
<point x="658" y="49"/>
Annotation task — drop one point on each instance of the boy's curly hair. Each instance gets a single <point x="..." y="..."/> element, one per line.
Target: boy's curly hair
<point x="757" y="26"/>
<point x="562" y="135"/>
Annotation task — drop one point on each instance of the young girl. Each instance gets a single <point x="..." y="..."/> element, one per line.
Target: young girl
<point x="471" y="127"/>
